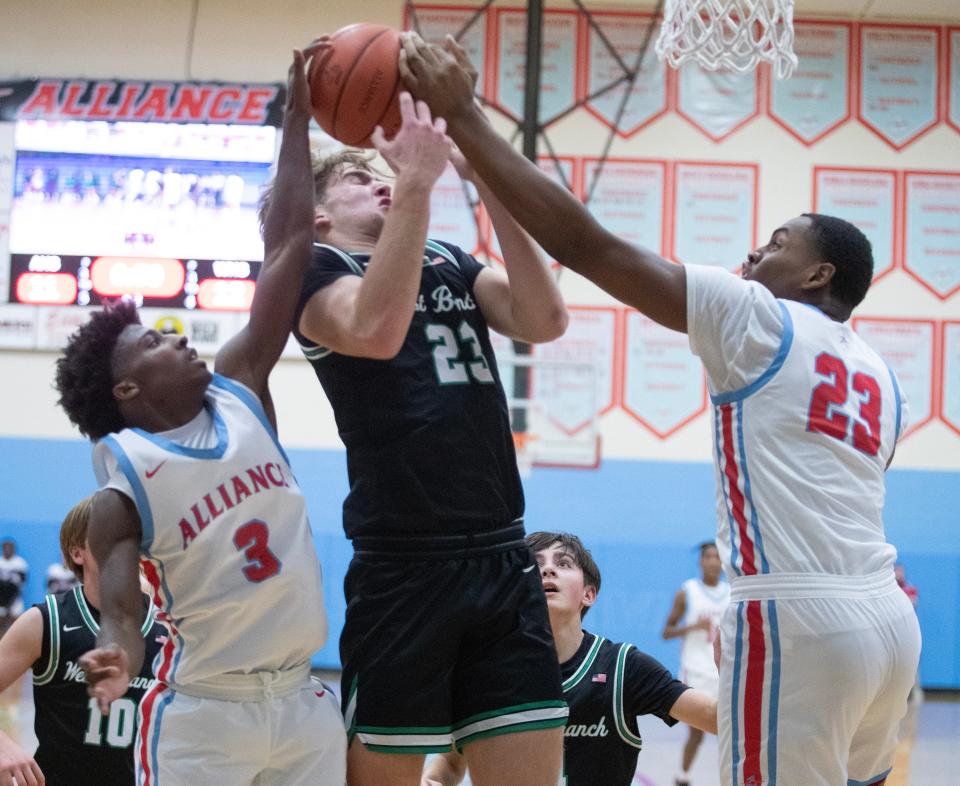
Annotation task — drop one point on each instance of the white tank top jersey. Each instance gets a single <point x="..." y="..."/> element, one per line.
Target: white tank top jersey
<point x="700" y="600"/>
<point x="226" y="542"/>
<point x="805" y="420"/>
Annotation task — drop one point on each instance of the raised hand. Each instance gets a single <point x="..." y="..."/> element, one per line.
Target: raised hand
<point x="108" y="674"/>
<point x="298" y="90"/>
<point x="420" y="148"/>
<point x="443" y="76"/>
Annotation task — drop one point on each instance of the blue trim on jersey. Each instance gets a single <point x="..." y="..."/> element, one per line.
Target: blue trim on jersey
<point x="253" y="404"/>
<point x="896" y="394"/>
<point x="139" y="492"/>
<point x="735" y="693"/>
<point x="870" y="781"/>
<point x="774" y="692"/>
<point x="754" y="523"/>
<point x="223" y="439"/>
<point x="734" y="548"/>
<point x="786" y="340"/>
<point x="164" y="703"/>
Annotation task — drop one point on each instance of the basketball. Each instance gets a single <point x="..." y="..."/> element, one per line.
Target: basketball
<point x="355" y="84"/>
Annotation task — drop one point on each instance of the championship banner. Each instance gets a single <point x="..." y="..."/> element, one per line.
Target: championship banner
<point x="648" y="96"/>
<point x="663" y="386"/>
<point x="435" y="22"/>
<point x="717" y="102"/>
<point x="953" y="78"/>
<point x="899" y="72"/>
<point x="932" y="230"/>
<point x="629" y="199"/>
<point x="122" y="101"/>
<point x="714" y="213"/>
<point x="451" y="217"/>
<point x="908" y="347"/>
<point x="590" y="338"/>
<point x="816" y="99"/>
<point x="558" y="72"/>
<point x="867" y="198"/>
<point x="950" y="382"/>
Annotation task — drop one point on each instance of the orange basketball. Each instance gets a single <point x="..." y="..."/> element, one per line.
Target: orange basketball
<point x="355" y="85"/>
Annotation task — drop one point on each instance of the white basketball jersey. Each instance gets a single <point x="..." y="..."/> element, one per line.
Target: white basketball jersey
<point x="701" y="601"/>
<point x="805" y="418"/>
<point x="226" y="542"/>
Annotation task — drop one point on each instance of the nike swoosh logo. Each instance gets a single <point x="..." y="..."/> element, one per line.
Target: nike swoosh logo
<point x="527" y="570"/>
<point x="68" y="628"/>
<point x="155" y="470"/>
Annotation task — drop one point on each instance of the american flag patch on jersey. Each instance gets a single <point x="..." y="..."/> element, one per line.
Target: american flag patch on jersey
<point x="599" y="678"/>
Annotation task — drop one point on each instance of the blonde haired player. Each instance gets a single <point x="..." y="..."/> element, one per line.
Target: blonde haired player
<point x="695" y="618"/>
<point x="198" y="488"/>
<point x="820" y="646"/>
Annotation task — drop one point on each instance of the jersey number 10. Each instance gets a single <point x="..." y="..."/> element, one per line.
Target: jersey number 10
<point x="826" y="413"/>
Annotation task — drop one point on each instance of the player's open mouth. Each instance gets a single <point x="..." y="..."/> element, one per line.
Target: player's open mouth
<point x="548" y="588"/>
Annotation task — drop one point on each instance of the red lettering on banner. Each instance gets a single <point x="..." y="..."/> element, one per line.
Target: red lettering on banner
<point x="154" y="103"/>
<point x="98" y="109"/>
<point x="255" y="107"/>
<point x="190" y="102"/>
<point x="70" y="107"/>
<point x="43" y="101"/>
<point x="128" y="95"/>
<point x="219" y="111"/>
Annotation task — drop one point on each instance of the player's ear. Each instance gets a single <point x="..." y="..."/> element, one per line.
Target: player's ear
<point x="125" y="390"/>
<point x="321" y="219"/>
<point x="819" y="275"/>
<point x="589" y="596"/>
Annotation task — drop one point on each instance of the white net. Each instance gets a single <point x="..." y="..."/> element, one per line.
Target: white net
<point x="729" y="34"/>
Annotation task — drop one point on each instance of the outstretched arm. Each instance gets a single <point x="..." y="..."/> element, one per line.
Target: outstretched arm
<point x="551" y="214"/>
<point x="20" y="647"/>
<point x="114" y="537"/>
<point x="696" y="709"/>
<point x="251" y="354"/>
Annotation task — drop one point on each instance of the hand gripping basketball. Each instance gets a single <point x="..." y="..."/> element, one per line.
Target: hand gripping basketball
<point x="443" y="76"/>
<point x="420" y="148"/>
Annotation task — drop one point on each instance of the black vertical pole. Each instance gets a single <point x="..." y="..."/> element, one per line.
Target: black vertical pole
<point x="530" y="128"/>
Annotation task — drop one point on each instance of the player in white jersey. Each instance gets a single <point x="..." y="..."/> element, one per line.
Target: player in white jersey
<point x="819" y="644"/>
<point x="197" y="489"/>
<point x="695" y="618"/>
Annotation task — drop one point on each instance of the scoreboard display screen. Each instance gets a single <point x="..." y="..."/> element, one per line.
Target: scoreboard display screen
<point x="164" y="212"/>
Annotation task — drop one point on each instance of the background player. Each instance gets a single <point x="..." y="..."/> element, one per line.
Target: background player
<point x="77" y="745"/>
<point x="396" y="328"/>
<point x="806" y="420"/>
<point x="695" y="617"/>
<point x="196" y="483"/>
<point x="606" y="684"/>
<point x="13" y="575"/>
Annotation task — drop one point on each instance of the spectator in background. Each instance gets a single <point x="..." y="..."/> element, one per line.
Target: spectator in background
<point x="59" y="578"/>
<point x="13" y="575"/>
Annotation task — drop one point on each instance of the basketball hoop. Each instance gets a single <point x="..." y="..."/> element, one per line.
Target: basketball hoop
<point x="729" y="34"/>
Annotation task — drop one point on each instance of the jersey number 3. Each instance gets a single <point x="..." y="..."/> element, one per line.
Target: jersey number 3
<point x="826" y="414"/>
<point x="251" y="538"/>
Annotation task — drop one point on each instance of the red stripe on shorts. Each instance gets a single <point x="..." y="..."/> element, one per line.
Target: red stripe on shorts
<point x="146" y="711"/>
<point x="753" y="697"/>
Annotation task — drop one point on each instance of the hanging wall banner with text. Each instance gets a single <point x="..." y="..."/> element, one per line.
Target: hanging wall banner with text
<point x="899" y="71"/>
<point x="717" y="102"/>
<point x="648" y="97"/>
<point x="950" y="370"/>
<point x="451" y="217"/>
<point x="816" y="99"/>
<point x="867" y="198"/>
<point x="932" y="230"/>
<point x="590" y="338"/>
<point x="953" y="77"/>
<point x="629" y="199"/>
<point x="714" y="213"/>
<point x="909" y="347"/>
<point x="435" y="22"/>
<point x="664" y="386"/>
<point x="558" y="73"/>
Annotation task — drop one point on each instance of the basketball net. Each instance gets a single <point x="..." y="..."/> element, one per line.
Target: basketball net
<point x="728" y="34"/>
